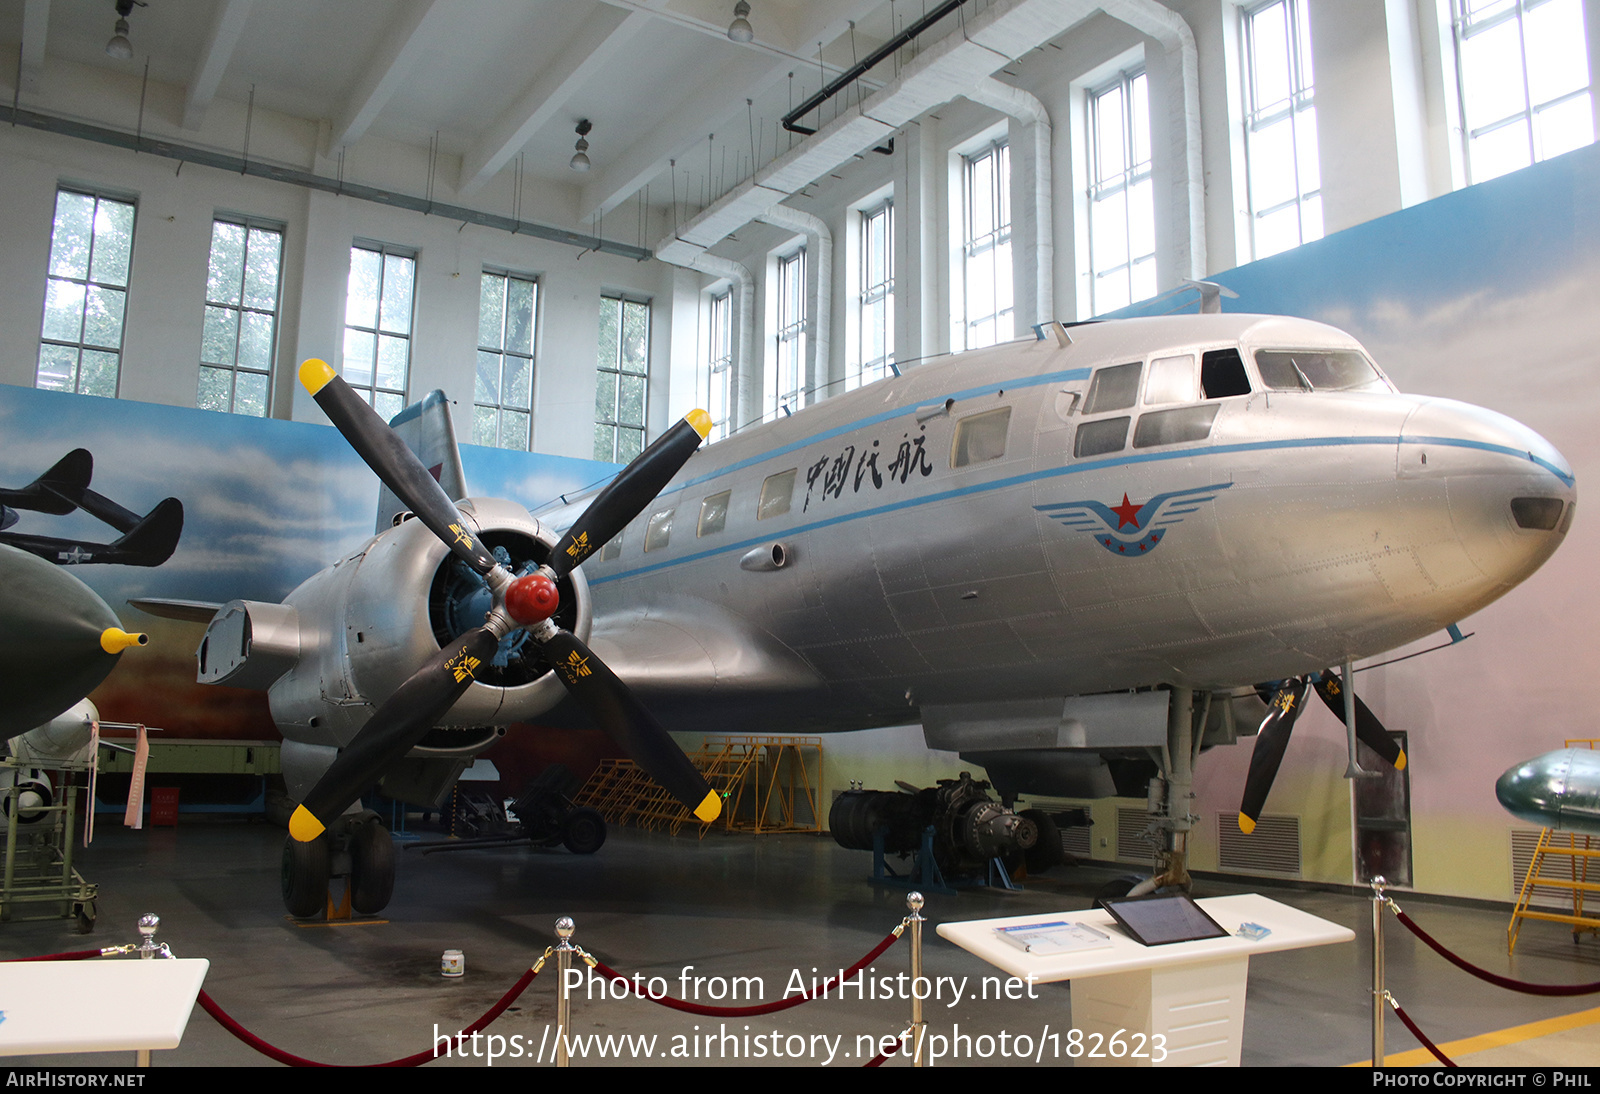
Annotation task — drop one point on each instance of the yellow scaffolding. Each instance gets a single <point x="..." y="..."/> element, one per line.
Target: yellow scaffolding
<point x="1577" y="851"/>
<point x="767" y="785"/>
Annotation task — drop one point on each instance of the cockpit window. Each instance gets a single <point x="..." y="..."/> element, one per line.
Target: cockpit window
<point x="1222" y="374"/>
<point x="1113" y="388"/>
<point x="1171" y="380"/>
<point x="1317" y="370"/>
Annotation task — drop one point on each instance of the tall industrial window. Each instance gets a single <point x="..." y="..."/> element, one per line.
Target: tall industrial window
<point x="988" y="246"/>
<point x="1122" y="214"/>
<point x="503" y="392"/>
<point x="377" y="324"/>
<point x="717" y="395"/>
<point x="789" y="388"/>
<point x="86" y="294"/>
<point x="1524" y="72"/>
<point x="1285" y="172"/>
<point x="240" y="335"/>
<point x="623" y="364"/>
<point x="877" y="294"/>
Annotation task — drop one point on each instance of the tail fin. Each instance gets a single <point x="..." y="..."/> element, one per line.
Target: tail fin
<point x="151" y="541"/>
<point x="427" y="430"/>
<point x="59" y="490"/>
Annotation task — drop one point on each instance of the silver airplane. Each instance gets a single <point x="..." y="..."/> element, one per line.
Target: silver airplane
<point x="1074" y="560"/>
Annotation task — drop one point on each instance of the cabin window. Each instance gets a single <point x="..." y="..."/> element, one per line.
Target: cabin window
<point x="1113" y="388"/>
<point x="1186" y="423"/>
<point x="1171" y="380"/>
<point x="1222" y="374"/>
<point x="776" y="493"/>
<point x="1098" y="438"/>
<point x="713" y="514"/>
<point x="1317" y="370"/>
<point x="980" y="437"/>
<point x="658" y="531"/>
<point x="612" y="549"/>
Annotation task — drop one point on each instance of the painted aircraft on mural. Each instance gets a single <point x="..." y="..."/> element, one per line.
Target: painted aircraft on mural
<point x="1074" y="560"/>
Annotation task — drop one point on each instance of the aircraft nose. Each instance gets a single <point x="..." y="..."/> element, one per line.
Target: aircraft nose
<point x="1511" y="494"/>
<point x="1560" y="789"/>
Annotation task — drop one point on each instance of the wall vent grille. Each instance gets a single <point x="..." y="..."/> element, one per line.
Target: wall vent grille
<point x="1273" y="848"/>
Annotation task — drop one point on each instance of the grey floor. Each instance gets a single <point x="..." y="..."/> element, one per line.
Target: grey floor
<point x="729" y="906"/>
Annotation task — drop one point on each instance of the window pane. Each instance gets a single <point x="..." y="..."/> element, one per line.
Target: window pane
<point x="58" y="368"/>
<point x="63" y="310"/>
<point x="485" y="426"/>
<point x="713" y="514"/>
<point x="392" y="353"/>
<point x="1562" y="128"/>
<point x="97" y="375"/>
<point x="255" y="341"/>
<point x="518" y="391"/>
<point x="361" y="296"/>
<point x="261" y="274"/>
<point x="216" y="389"/>
<point x="359" y="351"/>
<point x="491" y="311"/>
<point x="113" y="241"/>
<point x="398" y="274"/>
<point x="72" y="233"/>
<point x="226" y="274"/>
<point x="250" y="394"/>
<point x="102" y="317"/>
<point x="519" y="316"/>
<point x="514" y="430"/>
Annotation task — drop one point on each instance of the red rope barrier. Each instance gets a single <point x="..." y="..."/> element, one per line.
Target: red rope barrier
<point x="749" y="1012"/>
<point x="228" y="1023"/>
<point x="1483" y="974"/>
<point x="70" y="955"/>
<point x="1419" y="1035"/>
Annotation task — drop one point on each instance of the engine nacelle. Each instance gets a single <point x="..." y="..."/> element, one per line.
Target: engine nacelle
<point x="344" y="640"/>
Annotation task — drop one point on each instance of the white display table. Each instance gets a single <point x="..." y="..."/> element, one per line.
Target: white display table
<point x="1190" y="993"/>
<point x="102" y="1005"/>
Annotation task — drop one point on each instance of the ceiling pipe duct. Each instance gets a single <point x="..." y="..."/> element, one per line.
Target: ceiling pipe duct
<point x="295" y="177"/>
<point x="950" y="68"/>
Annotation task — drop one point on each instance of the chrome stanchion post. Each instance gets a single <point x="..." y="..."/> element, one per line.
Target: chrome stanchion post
<point x="918" y="1026"/>
<point x="1379" y="995"/>
<point x="564" y="951"/>
<point x="148" y="923"/>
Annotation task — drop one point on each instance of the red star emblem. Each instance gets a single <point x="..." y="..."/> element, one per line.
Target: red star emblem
<point x="1127" y="513"/>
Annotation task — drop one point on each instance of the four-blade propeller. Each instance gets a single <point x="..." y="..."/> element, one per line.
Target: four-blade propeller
<point x="527" y="602"/>
<point x="1273" y="738"/>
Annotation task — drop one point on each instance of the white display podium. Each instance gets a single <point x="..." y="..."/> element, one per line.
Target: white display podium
<point x="1190" y="993"/>
<point x="103" y="1005"/>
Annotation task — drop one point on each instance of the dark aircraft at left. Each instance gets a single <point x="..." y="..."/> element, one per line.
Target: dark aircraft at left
<point x="58" y="639"/>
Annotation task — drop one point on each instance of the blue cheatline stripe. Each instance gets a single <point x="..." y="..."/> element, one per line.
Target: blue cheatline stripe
<point x="1081" y="468"/>
<point x="889" y="415"/>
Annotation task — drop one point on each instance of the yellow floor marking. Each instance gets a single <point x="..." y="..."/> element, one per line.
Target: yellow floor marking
<point x="1421" y="1057"/>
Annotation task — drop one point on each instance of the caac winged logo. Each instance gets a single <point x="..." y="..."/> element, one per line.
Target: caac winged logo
<point x="1131" y="529"/>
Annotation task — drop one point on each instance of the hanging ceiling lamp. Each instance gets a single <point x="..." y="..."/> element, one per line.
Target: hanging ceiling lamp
<point x="580" y="158"/>
<point x="740" y="29"/>
<point x="119" y="46"/>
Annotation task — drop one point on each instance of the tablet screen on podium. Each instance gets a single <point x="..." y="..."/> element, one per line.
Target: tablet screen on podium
<point x="1160" y="920"/>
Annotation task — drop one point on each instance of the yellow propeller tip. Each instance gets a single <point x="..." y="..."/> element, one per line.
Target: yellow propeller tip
<point x="303" y="826"/>
<point x="1400" y="763"/>
<point x="115" y="639"/>
<point x="709" y="809"/>
<point x="701" y="422"/>
<point x="1246" y="824"/>
<point x="315" y="374"/>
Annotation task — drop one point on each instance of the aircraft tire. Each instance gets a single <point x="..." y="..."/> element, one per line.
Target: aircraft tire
<point x="1117" y="888"/>
<point x="304" y="877"/>
<point x="371" y="867"/>
<point x="1047" y="851"/>
<point x="585" y="832"/>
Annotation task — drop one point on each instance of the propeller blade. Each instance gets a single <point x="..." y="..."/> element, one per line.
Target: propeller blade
<point x="1271" y="741"/>
<point x="626" y="495"/>
<point x="1369" y="730"/>
<point x="393" y="462"/>
<point x="615" y="710"/>
<point x="394" y="728"/>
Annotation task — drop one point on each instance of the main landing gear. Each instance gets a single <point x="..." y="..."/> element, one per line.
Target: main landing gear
<point x="357" y="848"/>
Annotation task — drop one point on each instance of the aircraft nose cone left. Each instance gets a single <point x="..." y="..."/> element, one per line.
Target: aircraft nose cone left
<point x="1560" y="789"/>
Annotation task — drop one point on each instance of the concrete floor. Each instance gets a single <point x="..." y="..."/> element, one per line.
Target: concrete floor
<point x="735" y="905"/>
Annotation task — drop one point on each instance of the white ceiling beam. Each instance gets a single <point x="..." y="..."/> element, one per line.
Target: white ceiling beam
<point x="578" y="60"/>
<point x="35" y="21"/>
<point x="403" y="48"/>
<point x="226" y="29"/>
<point x="702" y="111"/>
